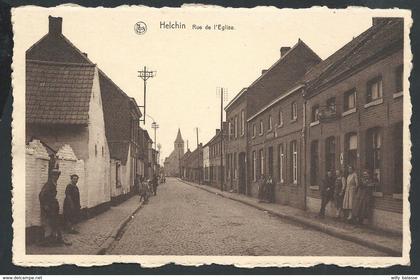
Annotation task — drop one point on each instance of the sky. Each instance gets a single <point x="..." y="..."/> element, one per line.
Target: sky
<point x="190" y="64"/>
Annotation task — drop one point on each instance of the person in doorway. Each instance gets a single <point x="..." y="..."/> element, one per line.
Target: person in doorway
<point x="327" y="192"/>
<point x="363" y="198"/>
<point x="351" y="186"/>
<point x="339" y="189"/>
<point x="269" y="190"/>
<point x="261" y="188"/>
<point x="50" y="211"/>
<point x="71" y="206"/>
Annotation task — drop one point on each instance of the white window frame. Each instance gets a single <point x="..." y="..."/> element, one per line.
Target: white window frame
<point x="280" y="118"/>
<point x="236" y="127"/>
<point x="281" y="163"/>
<point x="379" y="89"/>
<point x="294" y="162"/>
<point x="270" y="123"/>
<point x="294" y="111"/>
<point x="261" y="127"/>
<point x="254" y="130"/>
<point x="261" y="162"/>
<point x="254" y="171"/>
<point x="242" y="123"/>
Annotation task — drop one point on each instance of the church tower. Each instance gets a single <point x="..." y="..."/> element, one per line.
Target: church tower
<point x="179" y="145"/>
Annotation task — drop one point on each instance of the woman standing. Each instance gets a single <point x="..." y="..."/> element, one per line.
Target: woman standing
<point x="351" y="187"/>
<point x="363" y="199"/>
<point x="339" y="189"/>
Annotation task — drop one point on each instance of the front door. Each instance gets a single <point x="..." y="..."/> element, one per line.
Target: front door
<point x="242" y="173"/>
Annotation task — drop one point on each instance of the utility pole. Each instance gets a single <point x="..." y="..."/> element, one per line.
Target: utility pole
<point x="145" y="75"/>
<point x="223" y="94"/>
<point x="155" y="126"/>
<point x="196" y="129"/>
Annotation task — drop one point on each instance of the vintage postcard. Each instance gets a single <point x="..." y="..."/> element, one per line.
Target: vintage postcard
<point x="201" y="134"/>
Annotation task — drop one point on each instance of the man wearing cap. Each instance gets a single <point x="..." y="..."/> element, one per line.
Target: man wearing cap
<point x="71" y="207"/>
<point x="50" y="210"/>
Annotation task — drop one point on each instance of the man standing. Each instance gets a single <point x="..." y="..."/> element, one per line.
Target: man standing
<point x="50" y="210"/>
<point x="327" y="192"/>
<point x="71" y="207"/>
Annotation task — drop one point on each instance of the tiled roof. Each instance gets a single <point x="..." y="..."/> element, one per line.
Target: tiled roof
<point x="385" y="35"/>
<point x="119" y="150"/>
<point x="58" y="93"/>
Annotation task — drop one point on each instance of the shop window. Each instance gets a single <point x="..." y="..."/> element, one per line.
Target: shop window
<point x="399" y="78"/>
<point x="294" y="111"/>
<point x="350" y="100"/>
<point x="294" y="162"/>
<point x="398" y="157"/>
<point x="314" y="179"/>
<point x="281" y="163"/>
<point x="351" y="149"/>
<point x="315" y="113"/>
<point x="280" y="118"/>
<point x="374" y="89"/>
<point x="330" y="154"/>
<point x="270" y="123"/>
<point x="373" y="154"/>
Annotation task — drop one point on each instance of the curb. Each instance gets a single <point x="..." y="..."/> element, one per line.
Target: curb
<point x="314" y="225"/>
<point x="116" y="231"/>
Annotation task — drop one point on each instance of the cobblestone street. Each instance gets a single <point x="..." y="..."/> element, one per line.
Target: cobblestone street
<point x="184" y="220"/>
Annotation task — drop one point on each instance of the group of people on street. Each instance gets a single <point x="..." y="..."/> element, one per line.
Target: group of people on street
<point x="351" y="197"/>
<point x="147" y="187"/>
<point x="50" y="209"/>
<point x="266" y="189"/>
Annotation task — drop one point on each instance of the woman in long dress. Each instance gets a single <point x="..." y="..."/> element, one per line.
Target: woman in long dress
<point x="351" y="187"/>
<point x="363" y="198"/>
<point x="339" y="189"/>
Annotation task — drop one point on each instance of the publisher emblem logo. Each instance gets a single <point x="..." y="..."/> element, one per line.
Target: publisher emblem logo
<point x="140" y="28"/>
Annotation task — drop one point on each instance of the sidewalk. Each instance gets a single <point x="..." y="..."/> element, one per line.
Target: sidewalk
<point x="95" y="234"/>
<point x="381" y="241"/>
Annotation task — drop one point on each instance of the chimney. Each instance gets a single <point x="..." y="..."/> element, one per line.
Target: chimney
<point x="380" y="20"/>
<point x="284" y="50"/>
<point x="263" y="71"/>
<point x="55" y="25"/>
<point x="217" y="130"/>
<point x="85" y="54"/>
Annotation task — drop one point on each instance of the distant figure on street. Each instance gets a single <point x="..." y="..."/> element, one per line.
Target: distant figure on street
<point x="261" y="188"/>
<point x="269" y="189"/>
<point x="49" y="211"/>
<point x="144" y="192"/>
<point x="363" y="198"/>
<point x="71" y="206"/>
<point x="327" y="192"/>
<point x="351" y="186"/>
<point x="339" y="189"/>
<point x="155" y="182"/>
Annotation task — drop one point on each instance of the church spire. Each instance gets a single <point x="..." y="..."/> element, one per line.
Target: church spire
<point x="179" y="137"/>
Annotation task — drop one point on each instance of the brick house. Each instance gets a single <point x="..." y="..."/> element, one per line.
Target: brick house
<point x="354" y="109"/>
<point x="119" y="111"/>
<point x="216" y="145"/>
<point x="64" y="107"/>
<point x="193" y="165"/>
<point x="275" y="123"/>
<point x="184" y="164"/>
<point x="236" y="143"/>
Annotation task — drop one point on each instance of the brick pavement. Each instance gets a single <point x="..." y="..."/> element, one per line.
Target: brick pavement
<point x="389" y="243"/>
<point x="93" y="233"/>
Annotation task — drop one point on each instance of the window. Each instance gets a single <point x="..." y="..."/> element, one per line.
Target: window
<point x="280" y="118"/>
<point x="254" y="130"/>
<point x="294" y="163"/>
<point x="270" y="123"/>
<point x="236" y="127"/>
<point x="331" y="104"/>
<point x="242" y="122"/>
<point x="254" y="166"/>
<point x="230" y="129"/>
<point x="261" y="127"/>
<point x="398" y="157"/>
<point x="235" y="174"/>
<point x="314" y="176"/>
<point x="261" y="163"/>
<point x="294" y="111"/>
<point x="315" y="113"/>
<point x="281" y="163"/>
<point x="270" y="161"/>
<point x="350" y="99"/>
<point x="399" y="78"/>
<point x="330" y="154"/>
<point x="374" y="89"/>
<point x="351" y="149"/>
<point x="373" y="157"/>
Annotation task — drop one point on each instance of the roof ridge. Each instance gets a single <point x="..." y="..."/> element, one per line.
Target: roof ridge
<point x="60" y="63"/>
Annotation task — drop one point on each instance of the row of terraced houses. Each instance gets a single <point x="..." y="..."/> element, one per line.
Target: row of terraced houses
<point x="304" y="116"/>
<point x="79" y="118"/>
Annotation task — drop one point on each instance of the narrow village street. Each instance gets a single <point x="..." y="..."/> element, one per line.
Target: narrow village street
<point x="184" y="220"/>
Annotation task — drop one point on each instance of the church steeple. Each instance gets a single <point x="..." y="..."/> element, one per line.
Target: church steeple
<point x="179" y="137"/>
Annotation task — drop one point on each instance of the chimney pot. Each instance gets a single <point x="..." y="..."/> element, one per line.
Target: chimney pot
<point x="55" y="25"/>
<point x="284" y="50"/>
